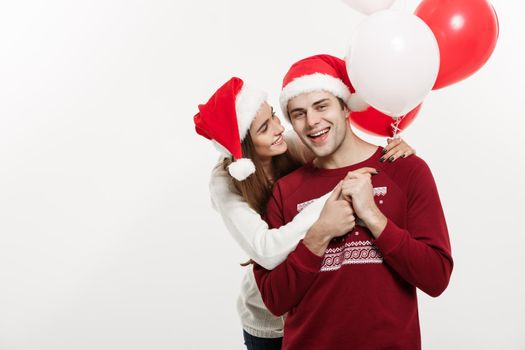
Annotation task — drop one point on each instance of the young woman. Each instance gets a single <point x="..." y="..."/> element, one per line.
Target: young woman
<point x="257" y="152"/>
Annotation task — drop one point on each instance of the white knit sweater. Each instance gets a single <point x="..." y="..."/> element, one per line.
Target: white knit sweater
<point x="268" y="247"/>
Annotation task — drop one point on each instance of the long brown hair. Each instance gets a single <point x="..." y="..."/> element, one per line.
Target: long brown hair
<point x="257" y="188"/>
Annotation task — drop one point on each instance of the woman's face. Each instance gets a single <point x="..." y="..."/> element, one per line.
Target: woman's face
<point x="267" y="133"/>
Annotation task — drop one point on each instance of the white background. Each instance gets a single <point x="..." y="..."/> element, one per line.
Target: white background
<point x="107" y="238"/>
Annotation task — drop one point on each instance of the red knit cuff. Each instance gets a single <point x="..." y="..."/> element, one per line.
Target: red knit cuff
<point x="390" y="238"/>
<point x="305" y="259"/>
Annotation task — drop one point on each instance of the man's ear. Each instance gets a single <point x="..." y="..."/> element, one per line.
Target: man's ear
<point x="347" y="112"/>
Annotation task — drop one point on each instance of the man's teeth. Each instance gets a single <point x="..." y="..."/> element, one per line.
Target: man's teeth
<point x="319" y="133"/>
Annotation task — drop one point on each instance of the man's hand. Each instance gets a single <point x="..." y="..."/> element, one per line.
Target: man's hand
<point x="336" y="219"/>
<point x="357" y="189"/>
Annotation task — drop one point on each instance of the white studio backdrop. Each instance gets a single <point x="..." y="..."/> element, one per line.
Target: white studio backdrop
<point x="107" y="236"/>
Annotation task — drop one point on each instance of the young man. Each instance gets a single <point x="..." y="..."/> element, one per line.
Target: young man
<point x="358" y="292"/>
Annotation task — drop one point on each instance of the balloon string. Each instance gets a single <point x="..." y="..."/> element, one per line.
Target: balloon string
<point x="395" y="126"/>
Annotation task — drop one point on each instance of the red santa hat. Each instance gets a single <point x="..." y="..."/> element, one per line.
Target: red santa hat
<point x="320" y="72"/>
<point x="226" y="118"/>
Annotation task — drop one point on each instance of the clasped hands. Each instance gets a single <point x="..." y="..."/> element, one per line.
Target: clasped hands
<point x="353" y="198"/>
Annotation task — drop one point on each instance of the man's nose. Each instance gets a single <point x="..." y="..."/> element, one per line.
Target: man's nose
<point x="312" y="119"/>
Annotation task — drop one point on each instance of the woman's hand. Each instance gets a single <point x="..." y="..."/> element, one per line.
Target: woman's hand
<point x="396" y="148"/>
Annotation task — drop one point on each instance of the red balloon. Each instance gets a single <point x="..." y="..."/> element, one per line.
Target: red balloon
<point x="379" y="124"/>
<point x="466" y="32"/>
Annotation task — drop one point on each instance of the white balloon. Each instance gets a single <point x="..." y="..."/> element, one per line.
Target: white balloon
<point x="393" y="61"/>
<point x="369" y="6"/>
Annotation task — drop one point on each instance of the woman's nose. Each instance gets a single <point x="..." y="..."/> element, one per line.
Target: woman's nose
<point x="277" y="126"/>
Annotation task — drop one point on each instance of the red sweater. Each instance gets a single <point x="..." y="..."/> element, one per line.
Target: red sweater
<point x="362" y="293"/>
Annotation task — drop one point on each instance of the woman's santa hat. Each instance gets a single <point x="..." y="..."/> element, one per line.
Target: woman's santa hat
<point x="316" y="73"/>
<point x="226" y="118"/>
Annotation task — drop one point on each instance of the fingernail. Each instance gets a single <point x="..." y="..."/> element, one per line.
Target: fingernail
<point x="391" y="159"/>
<point x="404" y="155"/>
<point x="382" y="159"/>
<point x="384" y="151"/>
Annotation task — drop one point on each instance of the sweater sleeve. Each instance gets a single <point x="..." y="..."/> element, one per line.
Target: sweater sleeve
<point x="420" y="254"/>
<point x="268" y="247"/>
<point x="283" y="287"/>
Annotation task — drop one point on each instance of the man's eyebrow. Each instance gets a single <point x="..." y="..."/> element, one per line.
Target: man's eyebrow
<point x="320" y="101"/>
<point x="263" y="125"/>
<point x="299" y="109"/>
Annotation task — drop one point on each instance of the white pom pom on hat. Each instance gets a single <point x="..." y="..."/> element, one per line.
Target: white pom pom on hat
<point x="226" y="118"/>
<point x="241" y="168"/>
<point x="356" y="103"/>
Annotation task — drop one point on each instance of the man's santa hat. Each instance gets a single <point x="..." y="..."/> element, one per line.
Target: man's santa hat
<point x="226" y="118"/>
<point x="316" y="73"/>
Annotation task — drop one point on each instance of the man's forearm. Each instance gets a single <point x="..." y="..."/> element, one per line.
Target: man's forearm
<point x="375" y="221"/>
<point x="283" y="287"/>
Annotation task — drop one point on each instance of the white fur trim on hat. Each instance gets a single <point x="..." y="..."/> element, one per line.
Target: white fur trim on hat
<point x="356" y="103"/>
<point x="241" y="168"/>
<point x="247" y="104"/>
<point x="310" y="83"/>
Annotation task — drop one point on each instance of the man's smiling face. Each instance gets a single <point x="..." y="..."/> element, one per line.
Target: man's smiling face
<point x="319" y="120"/>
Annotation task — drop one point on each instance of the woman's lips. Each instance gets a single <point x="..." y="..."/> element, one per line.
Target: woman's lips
<point x="279" y="140"/>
